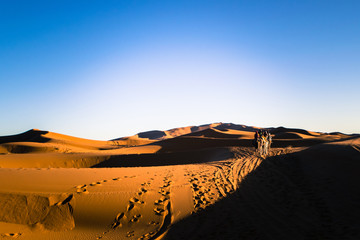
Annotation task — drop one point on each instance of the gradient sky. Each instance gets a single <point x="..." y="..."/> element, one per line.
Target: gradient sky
<point x="107" y="69"/>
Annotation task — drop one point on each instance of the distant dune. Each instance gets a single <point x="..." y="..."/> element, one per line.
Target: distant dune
<point x="196" y="182"/>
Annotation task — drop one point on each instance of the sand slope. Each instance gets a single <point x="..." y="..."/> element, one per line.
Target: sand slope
<point x="310" y="194"/>
<point x="191" y="183"/>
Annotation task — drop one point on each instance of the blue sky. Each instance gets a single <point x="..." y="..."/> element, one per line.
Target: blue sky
<point x="106" y="69"/>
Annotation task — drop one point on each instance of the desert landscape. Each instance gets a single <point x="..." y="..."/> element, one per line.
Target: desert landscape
<point x="197" y="182"/>
<point x="180" y="120"/>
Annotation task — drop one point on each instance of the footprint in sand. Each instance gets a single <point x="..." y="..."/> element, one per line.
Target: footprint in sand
<point x="130" y="206"/>
<point x="147" y="184"/>
<point x="120" y="216"/>
<point x="166" y="184"/>
<point x="95" y="184"/>
<point x="136" y="200"/>
<point x="13" y="235"/>
<point x="147" y="236"/>
<point x="158" y="202"/>
<point x="126" y="215"/>
<point x="142" y="191"/>
<point x="201" y="194"/>
<point x="165" y="193"/>
<point x="164" y="198"/>
<point x="117" y="220"/>
<point x="80" y="186"/>
<point x="116" y="224"/>
<point x="81" y="189"/>
<point x="158" y="211"/>
<point x="135" y="218"/>
<point x="68" y="199"/>
<point x="130" y="234"/>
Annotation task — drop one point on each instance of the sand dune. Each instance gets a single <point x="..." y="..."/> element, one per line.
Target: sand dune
<point x="43" y="141"/>
<point x="214" y="133"/>
<point x="175" y="132"/>
<point x="309" y="194"/>
<point x="200" y="182"/>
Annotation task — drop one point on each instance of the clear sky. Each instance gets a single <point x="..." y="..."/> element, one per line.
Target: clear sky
<point x="107" y="69"/>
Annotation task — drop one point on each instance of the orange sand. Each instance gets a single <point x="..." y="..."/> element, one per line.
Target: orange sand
<point x="199" y="182"/>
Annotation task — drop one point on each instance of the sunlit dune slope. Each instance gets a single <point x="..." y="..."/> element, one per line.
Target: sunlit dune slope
<point x="43" y="141"/>
<point x="203" y="182"/>
<point x="36" y="148"/>
<point x="175" y="132"/>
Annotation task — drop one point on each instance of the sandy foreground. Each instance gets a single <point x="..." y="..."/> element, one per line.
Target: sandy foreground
<point x="199" y="182"/>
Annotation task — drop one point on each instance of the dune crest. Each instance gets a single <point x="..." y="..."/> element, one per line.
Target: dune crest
<point x="197" y="182"/>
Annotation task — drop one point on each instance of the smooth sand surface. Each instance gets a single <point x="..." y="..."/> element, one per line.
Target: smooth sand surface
<point x="201" y="182"/>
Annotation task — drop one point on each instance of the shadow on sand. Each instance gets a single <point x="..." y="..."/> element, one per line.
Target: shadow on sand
<point x="293" y="196"/>
<point x="166" y="159"/>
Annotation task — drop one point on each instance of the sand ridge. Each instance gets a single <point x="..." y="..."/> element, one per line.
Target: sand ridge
<point x="195" y="183"/>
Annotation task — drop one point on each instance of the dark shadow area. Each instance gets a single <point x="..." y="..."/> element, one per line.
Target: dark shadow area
<point x="312" y="142"/>
<point x="311" y="194"/>
<point x="297" y="142"/>
<point x="28" y="136"/>
<point x="185" y="143"/>
<point x="287" y="135"/>
<point x="152" y="134"/>
<point x="15" y="148"/>
<point x="231" y="126"/>
<point x="195" y="128"/>
<point x="181" y="143"/>
<point x="211" y="133"/>
<point x="165" y="159"/>
<point x="283" y="129"/>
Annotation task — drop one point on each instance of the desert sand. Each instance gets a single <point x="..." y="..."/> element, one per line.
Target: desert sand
<point x="197" y="182"/>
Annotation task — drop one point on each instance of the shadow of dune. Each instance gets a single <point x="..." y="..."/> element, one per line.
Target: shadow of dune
<point x="181" y="143"/>
<point x="311" y="194"/>
<point x="28" y="136"/>
<point x="287" y="135"/>
<point x="185" y="143"/>
<point x="19" y="148"/>
<point x="284" y="130"/>
<point x="232" y="126"/>
<point x="297" y="142"/>
<point x="211" y="133"/>
<point x="191" y="150"/>
<point x="152" y="134"/>
<point x="165" y="159"/>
